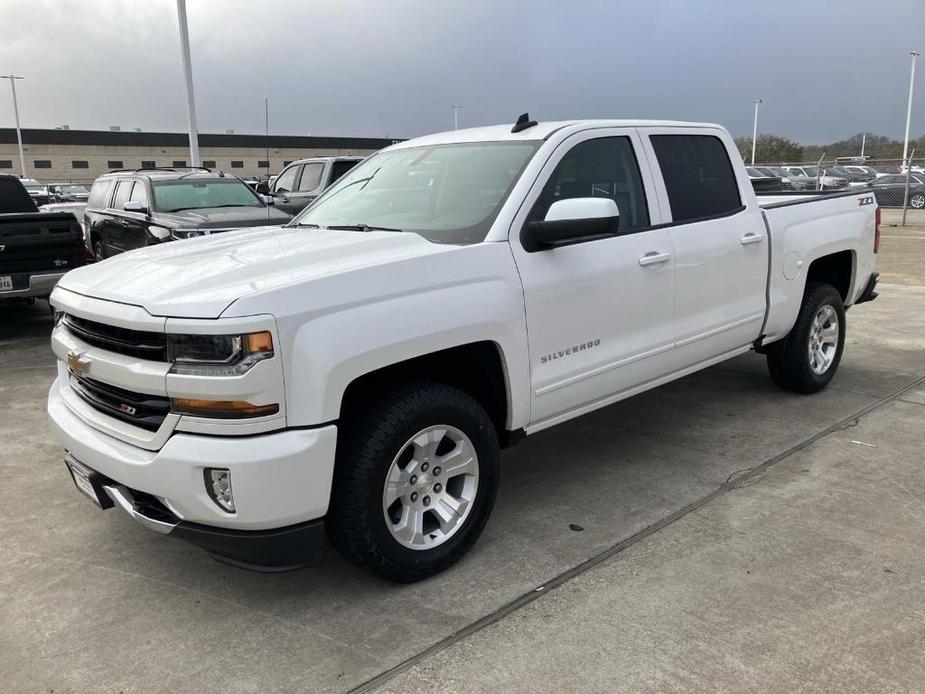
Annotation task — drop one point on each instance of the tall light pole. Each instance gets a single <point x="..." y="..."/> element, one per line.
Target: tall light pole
<point x="455" y="108"/>
<point x="22" y="159"/>
<point x="755" y="131"/>
<point x="914" y="54"/>
<point x="188" y="73"/>
<point x="266" y="130"/>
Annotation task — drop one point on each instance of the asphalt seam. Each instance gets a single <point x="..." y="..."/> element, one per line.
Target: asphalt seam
<point x="732" y="482"/>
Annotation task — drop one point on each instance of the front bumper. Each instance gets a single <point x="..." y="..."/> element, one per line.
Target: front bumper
<point x="40" y="285"/>
<point x="281" y="481"/>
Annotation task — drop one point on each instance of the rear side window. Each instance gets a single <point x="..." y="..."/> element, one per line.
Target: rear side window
<point x="339" y="168"/>
<point x="13" y="197"/>
<point x="311" y="176"/>
<point x="601" y="168"/>
<point x="99" y="194"/>
<point x="123" y="190"/>
<point x="698" y="176"/>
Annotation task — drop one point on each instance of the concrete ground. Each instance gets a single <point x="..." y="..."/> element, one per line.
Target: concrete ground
<point x="714" y="534"/>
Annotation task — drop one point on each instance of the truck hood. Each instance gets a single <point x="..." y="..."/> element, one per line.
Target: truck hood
<point x="201" y="277"/>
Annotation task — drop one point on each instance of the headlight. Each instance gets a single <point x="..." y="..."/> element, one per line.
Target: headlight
<point x="218" y="355"/>
<point x="188" y="233"/>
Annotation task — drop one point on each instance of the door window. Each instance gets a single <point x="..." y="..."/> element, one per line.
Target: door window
<point x="286" y="180"/>
<point x="140" y="193"/>
<point x="698" y="175"/>
<point x="123" y="190"/>
<point x="605" y="167"/>
<point x="311" y="176"/>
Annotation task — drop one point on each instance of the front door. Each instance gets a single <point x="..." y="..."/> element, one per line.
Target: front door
<point x="283" y="188"/>
<point x="599" y="313"/>
<point x="135" y="231"/>
<point x="116" y="223"/>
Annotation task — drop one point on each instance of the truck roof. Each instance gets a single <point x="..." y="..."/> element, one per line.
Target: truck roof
<point x="540" y="131"/>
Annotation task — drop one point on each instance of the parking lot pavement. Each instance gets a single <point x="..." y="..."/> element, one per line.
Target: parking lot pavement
<point x="89" y="601"/>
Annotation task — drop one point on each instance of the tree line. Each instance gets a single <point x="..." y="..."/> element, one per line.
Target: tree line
<point x="774" y="149"/>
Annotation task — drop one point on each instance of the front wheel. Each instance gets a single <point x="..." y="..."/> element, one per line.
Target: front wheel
<point x="414" y="483"/>
<point x="917" y="200"/>
<point x="807" y="359"/>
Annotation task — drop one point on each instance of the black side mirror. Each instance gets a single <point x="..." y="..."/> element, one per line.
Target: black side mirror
<point x="575" y="220"/>
<point x="263" y="188"/>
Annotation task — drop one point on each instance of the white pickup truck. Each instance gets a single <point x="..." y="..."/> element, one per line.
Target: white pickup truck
<point x="356" y="372"/>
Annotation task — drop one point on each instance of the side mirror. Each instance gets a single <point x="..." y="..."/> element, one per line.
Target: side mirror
<point x="263" y="188"/>
<point x="134" y="206"/>
<point x="268" y="199"/>
<point x="572" y="221"/>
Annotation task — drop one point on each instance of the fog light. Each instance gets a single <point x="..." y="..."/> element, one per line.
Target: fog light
<point x="218" y="486"/>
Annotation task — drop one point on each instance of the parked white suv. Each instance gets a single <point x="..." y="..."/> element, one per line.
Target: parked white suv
<point x="360" y="369"/>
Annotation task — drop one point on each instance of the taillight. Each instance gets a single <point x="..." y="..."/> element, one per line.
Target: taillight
<point x="877" y="231"/>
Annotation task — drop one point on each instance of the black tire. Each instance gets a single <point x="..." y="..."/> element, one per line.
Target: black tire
<point x="788" y="360"/>
<point x="99" y="249"/>
<point x="917" y="200"/>
<point x="369" y="440"/>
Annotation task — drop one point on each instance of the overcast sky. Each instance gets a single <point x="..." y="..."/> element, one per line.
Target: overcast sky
<point x="825" y="69"/>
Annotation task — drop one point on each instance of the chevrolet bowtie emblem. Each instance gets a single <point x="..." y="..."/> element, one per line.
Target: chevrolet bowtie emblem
<point x="77" y="363"/>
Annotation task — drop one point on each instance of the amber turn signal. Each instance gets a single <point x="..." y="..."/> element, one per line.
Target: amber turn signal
<point x="220" y="409"/>
<point x="259" y="342"/>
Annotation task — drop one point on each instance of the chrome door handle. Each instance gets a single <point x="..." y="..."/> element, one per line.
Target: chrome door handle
<point x="654" y="258"/>
<point x="751" y="238"/>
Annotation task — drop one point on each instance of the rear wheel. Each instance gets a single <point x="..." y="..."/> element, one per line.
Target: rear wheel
<point x="917" y="200"/>
<point x="414" y="482"/>
<point x="807" y="359"/>
<point x="99" y="249"/>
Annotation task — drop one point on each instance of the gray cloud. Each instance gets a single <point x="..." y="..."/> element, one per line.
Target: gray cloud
<point x="826" y="70"/>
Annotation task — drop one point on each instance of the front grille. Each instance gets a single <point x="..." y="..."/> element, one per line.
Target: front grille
<point x="134" y="343"/>
<point x="140" y="409"/>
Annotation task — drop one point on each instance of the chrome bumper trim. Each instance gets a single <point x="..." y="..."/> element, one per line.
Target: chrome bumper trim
<point x="124" y="499"/>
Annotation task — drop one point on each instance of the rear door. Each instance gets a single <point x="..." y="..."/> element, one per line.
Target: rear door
<point x="720" y="244"/>
<point x="599" y="313"/>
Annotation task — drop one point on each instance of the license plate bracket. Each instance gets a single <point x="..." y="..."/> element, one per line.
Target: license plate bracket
<point x="88" y="482"/>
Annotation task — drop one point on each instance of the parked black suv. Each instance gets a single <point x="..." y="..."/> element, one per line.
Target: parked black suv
<point x="132" y="209"/>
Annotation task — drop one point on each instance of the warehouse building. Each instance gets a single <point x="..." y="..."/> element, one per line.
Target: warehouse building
<point x="79" y="156"/>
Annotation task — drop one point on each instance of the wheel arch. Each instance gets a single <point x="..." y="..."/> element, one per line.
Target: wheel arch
<point x="478" y="369"/>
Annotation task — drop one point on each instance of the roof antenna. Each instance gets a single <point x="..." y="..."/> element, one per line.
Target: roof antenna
<point x="523" y="122"/>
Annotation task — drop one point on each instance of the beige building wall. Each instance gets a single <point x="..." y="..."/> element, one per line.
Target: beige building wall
<point x="98" y="158"/>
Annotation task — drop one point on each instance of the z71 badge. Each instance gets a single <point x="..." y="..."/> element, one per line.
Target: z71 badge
<point x="559" y="354"/>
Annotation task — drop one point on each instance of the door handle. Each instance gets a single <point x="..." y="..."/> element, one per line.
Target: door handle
<point x="751" y="238"/>
<point x="654" y="258"/>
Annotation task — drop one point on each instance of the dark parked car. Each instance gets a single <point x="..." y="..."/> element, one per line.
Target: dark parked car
<point x="69" y="192"/>
<point x="304" y="180"/>
<point x="39" y="192"/>
<point x="132" y="209"/>
<point x="35" y="249"/>
<point x="890" y="190"/>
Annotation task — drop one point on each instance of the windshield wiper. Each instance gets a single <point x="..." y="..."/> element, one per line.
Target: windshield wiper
<point x="305" y="225"/>
<point x="361" y="227"/>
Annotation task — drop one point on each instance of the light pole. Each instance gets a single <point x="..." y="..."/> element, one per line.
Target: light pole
<point x="755" y="131"/>
<point x="455" y="108"/>
<point x="188" y="73"/>
<point x="266" y="130"/>
<point x="22" y="159"/>
<point x="914" y="54"/>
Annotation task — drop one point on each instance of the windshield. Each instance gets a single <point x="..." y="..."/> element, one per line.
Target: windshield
<point x="446" y="193"/>
<point x="811" y="170"/>
<point x="173" y="196"/>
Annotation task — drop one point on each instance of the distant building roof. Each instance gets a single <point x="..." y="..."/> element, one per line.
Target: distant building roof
<point x="125" y="138"/>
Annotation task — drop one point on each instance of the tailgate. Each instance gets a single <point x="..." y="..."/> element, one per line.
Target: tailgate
<point x="38" y="242"/>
